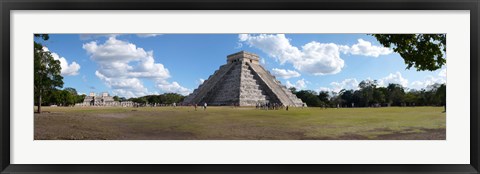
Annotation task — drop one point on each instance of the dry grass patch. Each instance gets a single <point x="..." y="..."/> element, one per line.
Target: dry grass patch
<point x="227" y="123"/>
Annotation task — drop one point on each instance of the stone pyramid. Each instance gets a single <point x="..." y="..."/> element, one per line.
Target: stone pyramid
<point x="244" y="82"/>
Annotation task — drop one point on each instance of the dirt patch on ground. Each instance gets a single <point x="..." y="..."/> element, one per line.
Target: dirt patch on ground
<point x="113" y="115"/>
<point x="158" y="135"/>
<point x="426" y="134"/>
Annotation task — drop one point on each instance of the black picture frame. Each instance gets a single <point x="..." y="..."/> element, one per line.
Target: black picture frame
<point x="8" y="5"/>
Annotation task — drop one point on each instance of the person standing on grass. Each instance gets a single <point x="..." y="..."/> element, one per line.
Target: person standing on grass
<point x="205" y="106"/>
<point x="195" y="106"/>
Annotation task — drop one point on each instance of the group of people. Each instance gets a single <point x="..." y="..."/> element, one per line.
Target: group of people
<point x="204" y="106"/>
<point x="270" y="106"/>
<point x="264" y="106"/>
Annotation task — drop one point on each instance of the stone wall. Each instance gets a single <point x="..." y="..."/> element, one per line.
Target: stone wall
<point x="201" y="92"/>
<point x="281" y="92"/>
<point x="253" y="90"/>
<point x="227" y="91"/>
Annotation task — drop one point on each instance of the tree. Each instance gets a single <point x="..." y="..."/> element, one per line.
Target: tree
<point x="441" y="96"/>
<point x="367" y="88"/>
<point x="337" y="100"/>
<point x="309" y="97"/>
<point x="323" y="96"/>
<point x="381" y="94"/>
<point x="115" y="98"/>
<point x="141" y="100"/>
<point x="53" y="97"/>
<point x="422" y="51"/>
<point x="72" y="97"/>
<point x="122" y="99"/>
<point x="42" y="36"/>
<point x="378" y="96"/>
<point x="170" y="98"/>
<point x="46" y="72"/>
<point x="349" y="97"/>
<point x="395" y="94"/>
<point x="153" y="99"/>
<point x="80" y="98"/>
<point x="72" y="91"/>
<point x="293" y="90"/>
<point x="67" y="98"/>
<point x="411" y="98"/>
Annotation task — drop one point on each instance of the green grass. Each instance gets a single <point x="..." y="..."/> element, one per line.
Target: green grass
<point x="227" y="123"/>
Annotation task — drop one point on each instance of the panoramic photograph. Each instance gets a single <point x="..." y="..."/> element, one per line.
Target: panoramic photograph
<point x="276" y="86"/>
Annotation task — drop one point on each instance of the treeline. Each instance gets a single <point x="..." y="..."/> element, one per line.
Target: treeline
<point x="65" y="97"/>
<point x="69" y="97"/>
<point x="369" y="94"/>
<point x="167" y="98"/>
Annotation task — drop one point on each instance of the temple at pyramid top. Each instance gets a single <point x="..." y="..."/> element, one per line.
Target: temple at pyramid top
<point x="243" y="56"/>
<point x="242" y="81"/>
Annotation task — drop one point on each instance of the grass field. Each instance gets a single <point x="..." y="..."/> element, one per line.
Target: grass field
<point x="227" y="123"/>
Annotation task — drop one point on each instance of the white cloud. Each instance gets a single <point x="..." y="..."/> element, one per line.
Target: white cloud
<point x="200" y="81"/>
<point x="95" y="36"/>
<point x="277" y="46"/>
<point x="443" y="72"/>
<point x="116" y="57"/>
<point x="262" y="61"/>
<point x="123" y="64"/>
<point x="345" y="84"/>
<point x="314" y="57"/>
<point x="114" y="50"/>
<point x="239" y="45"/>
<point x="329" y="91"/>
<point x="300" y="84"/>
<point x="173" y="87"/>
<point x="352" y="83"/>
<point x="124" y="86"/>
<point x="148" y="35"/>
<point x="320" y="59"/>
<point x="285" y="74"/>
<point x="324" y="89"/>
<point x="243" y="37"/>
<point x="429" y="80"/>
<point x="395" y="78"/>
<point x="441" y="78"/>
<point x="66" y="69"/>
<point x="365" y="48"/>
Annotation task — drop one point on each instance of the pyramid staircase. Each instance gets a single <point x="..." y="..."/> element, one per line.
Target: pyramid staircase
<point x="242" y="81"/>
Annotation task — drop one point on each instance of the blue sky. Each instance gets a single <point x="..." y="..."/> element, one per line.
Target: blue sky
<point x="132" y="65"/>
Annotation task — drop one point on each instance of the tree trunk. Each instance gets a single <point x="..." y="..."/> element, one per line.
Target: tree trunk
<point x="39" y="110"/>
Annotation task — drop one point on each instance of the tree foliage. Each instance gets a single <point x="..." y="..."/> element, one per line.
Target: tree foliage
<point x="42" y="36"/>
<point x="310" y="97"/>
<point x="369" y="94"/>
<point x="422" y="51"/>
<point x="395" y="94"/>
<point x="46" y="72"/>
<point x="293" y="89"/>
<point x="65" y="97"/>
<point x="116" y="98"/>
<point x="167" y="98"/>
<point x="324" y="97"/>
